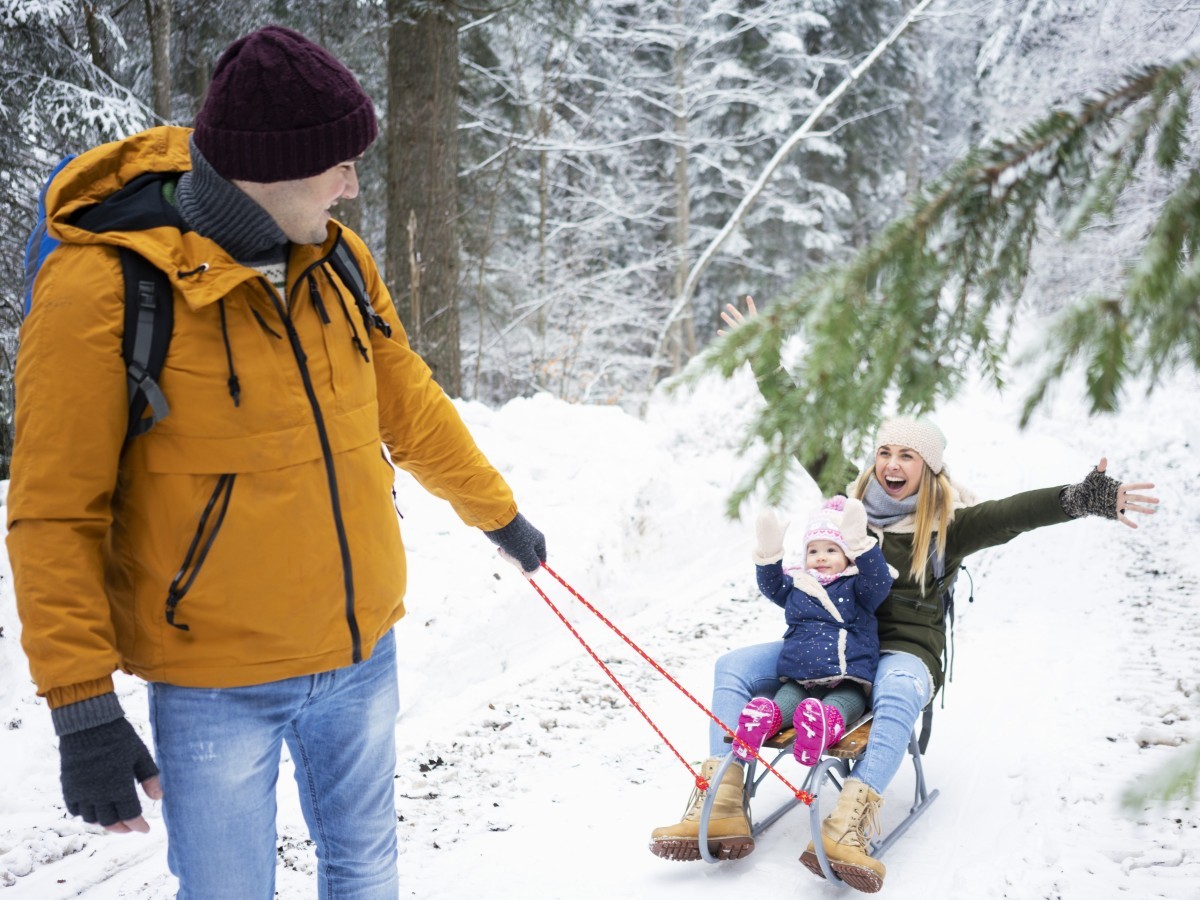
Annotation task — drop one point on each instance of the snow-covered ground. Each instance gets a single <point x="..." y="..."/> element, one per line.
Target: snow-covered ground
<point x="523" y="773"/>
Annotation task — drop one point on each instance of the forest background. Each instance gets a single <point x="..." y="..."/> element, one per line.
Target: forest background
<point x="550" y="172"/>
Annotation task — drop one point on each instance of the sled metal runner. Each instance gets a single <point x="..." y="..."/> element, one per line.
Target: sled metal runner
<point x="835" y="767"/>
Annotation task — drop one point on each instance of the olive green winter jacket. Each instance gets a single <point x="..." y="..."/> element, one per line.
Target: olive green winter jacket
<point x="912" y="619"/>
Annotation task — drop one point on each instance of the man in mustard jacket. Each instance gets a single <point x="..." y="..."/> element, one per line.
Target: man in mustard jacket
<point x="244" y="555"/>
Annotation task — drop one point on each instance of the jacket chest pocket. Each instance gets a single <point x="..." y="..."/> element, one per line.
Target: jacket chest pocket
<point x="231" y="364"/>
<point x="925" y="611"/>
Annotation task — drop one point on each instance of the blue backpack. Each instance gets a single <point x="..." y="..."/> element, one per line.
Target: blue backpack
<point x="39" y="245"/>
<point x="149" y="298"/>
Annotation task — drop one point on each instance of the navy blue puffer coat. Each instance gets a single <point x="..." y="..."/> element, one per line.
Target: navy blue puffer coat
<point x="833" y="637"/>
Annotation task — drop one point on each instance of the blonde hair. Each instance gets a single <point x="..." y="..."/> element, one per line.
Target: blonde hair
<point x="935" y="510"/>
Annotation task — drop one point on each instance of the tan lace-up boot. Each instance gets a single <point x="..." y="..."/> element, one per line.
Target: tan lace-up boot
<point x="728" y="827"/>
<point x="845" y="834"/>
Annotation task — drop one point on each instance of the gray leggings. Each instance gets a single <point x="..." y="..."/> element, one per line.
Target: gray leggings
<point x="849" y="698"/>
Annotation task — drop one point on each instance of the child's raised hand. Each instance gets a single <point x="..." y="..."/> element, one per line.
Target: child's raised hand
<point x="769" y="529"/>
<point x="854" y="529"/>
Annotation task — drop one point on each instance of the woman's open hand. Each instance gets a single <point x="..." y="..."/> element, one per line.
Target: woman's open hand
<point x="732" y="316"/>
<point x="1131" y="502"/>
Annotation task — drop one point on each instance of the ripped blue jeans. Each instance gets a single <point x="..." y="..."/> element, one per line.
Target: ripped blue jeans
<point x="902" y="688"/>
<point x="219" y="750"/>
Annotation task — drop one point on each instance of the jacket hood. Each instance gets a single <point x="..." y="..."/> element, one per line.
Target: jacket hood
<point x="112" y="195"/>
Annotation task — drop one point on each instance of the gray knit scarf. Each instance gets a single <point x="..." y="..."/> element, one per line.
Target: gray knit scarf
<point x="882" y="510"/>
<point x="218" y="210"/>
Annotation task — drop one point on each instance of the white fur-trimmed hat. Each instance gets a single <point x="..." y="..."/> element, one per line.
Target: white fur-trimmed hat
<point x="826" y="524"/>
<point x="919" y="434"/>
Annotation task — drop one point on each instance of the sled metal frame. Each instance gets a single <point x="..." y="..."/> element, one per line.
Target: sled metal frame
<point x="836" y="766"/>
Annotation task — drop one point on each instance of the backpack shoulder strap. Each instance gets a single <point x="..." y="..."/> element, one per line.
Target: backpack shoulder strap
<point x="149" y="319"/>
<point x="349" y="271"/>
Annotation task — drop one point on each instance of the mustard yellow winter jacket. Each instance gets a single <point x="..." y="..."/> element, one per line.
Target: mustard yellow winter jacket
<point x="267" y="527"/>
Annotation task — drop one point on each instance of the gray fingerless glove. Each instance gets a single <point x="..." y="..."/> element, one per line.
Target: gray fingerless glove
<point x="100" y="770"/>
<point x="1096" y="495"/>
<point x="520" y="543"/>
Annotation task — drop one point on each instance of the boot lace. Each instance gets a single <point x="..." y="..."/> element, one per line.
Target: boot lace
<point x="865" y="825"/>
<point x="695" y="804"/>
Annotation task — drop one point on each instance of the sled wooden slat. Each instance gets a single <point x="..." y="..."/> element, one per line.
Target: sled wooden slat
<point x="852" y="745"/>
<point x="779" y="741"/>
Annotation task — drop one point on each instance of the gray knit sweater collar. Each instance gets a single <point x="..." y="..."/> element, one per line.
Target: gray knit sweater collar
<point x="218" y="210"/>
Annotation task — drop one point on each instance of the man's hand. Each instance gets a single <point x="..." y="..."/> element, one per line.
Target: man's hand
<point x="99" y="768"/>
<point x="520" y="544"/>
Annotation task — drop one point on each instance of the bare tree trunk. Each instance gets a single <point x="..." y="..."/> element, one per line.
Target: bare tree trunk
<point x="421" y="259"/>
<point x="158" y="18"/>
<point x="543" y="313"/>
<point x="684" y="339"/>
<point x="914" y="157"/>
<point x="95" y="35"/>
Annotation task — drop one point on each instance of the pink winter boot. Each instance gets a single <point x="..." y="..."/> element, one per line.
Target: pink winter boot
<point x="818" y="727"/>
<point x="835" y="726"/>
<point x="810" y="725"/>
<point x="759" y="720"/>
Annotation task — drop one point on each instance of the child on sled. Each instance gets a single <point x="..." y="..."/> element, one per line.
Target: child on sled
<point x="831" y="646"/>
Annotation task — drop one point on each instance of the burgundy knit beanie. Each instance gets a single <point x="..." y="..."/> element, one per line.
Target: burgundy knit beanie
<point x="281" y="108"/>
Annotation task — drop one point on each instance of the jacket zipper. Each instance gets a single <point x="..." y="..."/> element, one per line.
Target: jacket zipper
<point x="326" y="454"/>
<point x="196" y="554"/>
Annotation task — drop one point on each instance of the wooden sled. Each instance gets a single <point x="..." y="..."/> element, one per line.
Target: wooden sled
<point x="836" y="764"/>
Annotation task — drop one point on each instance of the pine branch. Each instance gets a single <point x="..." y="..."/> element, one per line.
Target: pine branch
<point x="936" y="293"/>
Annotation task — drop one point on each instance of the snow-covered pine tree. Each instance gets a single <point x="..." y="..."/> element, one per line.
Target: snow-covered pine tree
<point x="61" y="89"/>
<point x="605" y="146"/>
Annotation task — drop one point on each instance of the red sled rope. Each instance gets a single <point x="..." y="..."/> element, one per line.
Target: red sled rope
<point x="701" y="783"/>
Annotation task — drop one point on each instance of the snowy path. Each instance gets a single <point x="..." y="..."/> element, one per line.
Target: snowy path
<point x="523" y="773"/>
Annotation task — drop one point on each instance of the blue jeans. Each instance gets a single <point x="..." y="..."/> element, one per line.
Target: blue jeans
<point x="902" y="688"/>
<point x="219" y="752"/>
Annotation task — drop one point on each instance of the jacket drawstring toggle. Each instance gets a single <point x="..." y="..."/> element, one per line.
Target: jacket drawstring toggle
<point x="354" y="338"/>
<point x="318" y="303"/>
<point x="235" y="388"/>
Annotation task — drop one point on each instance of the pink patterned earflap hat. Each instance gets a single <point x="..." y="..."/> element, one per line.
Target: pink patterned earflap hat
<point x="826" y="524"/>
